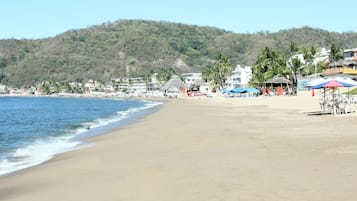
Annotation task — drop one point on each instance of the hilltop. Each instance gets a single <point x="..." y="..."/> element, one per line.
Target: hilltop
<point x="105" y="51"/>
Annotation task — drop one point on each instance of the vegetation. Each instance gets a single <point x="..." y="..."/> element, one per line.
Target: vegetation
<point x="336" y="53"/>
<point x="108" y="50"/>
<point x="165" y="74"/>
<point x="272" y="63"/>
<point x="218" y="73"/>
<point x="352" y="92"/>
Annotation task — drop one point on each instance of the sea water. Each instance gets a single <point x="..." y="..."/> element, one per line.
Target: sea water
<point x="33" y="130"/>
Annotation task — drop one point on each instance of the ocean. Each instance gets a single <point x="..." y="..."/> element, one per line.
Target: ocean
<point x="33" y="129"/>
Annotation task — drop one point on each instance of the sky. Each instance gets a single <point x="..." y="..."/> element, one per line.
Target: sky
<point x="34" y="19"/>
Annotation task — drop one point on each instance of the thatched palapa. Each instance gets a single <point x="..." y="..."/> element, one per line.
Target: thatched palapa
<point x="175" y="84"/>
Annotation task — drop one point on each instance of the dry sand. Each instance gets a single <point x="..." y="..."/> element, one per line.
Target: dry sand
<point x="219" y="149"/>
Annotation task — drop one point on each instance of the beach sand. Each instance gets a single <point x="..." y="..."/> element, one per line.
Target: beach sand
<point x="219" y="149"/>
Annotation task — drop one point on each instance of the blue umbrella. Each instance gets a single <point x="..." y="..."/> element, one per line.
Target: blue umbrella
<point x="333" y="83"/>
<point x="238" y="90"/>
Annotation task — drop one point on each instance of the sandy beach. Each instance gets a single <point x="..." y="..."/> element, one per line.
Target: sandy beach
<point x="220" y="149"/>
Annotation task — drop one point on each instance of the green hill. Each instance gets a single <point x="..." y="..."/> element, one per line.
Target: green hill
<point x="105" y="51"/>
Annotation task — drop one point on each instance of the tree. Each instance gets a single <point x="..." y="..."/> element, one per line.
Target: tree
<point x="309" y="56"/>
<point x="335" y="53"/>
<point x="165" y="74"/>
<point x="269" y="64"/>
<point x="3" y="64"/>
<point x="296" y="67"/>
<point x="293" y="48"/>
<point x="219" y="72"/>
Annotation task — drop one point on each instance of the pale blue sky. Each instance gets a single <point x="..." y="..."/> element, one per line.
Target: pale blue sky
<point x="46" y="18"/>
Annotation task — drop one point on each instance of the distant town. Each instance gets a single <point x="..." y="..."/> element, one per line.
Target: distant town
<point x="186" y="84"/>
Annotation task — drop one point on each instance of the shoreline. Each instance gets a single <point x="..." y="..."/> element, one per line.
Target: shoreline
<point x="206" y="149"/>
<point x="76" y="138"/>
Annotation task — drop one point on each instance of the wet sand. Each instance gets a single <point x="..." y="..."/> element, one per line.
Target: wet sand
<point x="263" y="148"/>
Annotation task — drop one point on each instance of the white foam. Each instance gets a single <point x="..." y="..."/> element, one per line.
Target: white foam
<point x="36" y="153"/>
<point x="118" y="117"/>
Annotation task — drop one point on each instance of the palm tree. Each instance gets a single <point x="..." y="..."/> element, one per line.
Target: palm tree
<point x="165" y="74"/>
<point x="293" y="48"/>
<point x="218" y="73"/>
<point x="3" y="64"/>
<point x="335" y="53"/>
<point x="296" y="67"/>
<point x="269" y="64"/>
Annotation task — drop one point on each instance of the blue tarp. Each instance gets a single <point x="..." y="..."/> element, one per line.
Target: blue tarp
<point x="226" y="91"/>
<point x="238" y="90"/>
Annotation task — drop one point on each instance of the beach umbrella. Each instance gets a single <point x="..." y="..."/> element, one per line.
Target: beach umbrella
<point x="346" y="80"/>
<point x="317" y="81"/>
<point x="333" y="83"/>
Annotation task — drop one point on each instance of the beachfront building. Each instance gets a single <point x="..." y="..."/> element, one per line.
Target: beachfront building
<point x="347" y="67"/>
<point x="93" y="86"/>
<point x="344" y="68"/>
<point x="191" y="78"/>
<point x="154" y="84"/>
<point x="193" y="81"/>
<point x="3" y="89"/>
<point x="240" y="77"/>
<point x="137" y="85"/>
<point x="350" y="54"/>
<point x="130" y="85"/>
<point x="196" y="85"/>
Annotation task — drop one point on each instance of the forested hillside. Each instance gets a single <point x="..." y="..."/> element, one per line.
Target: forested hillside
<point x="105" y="51"/>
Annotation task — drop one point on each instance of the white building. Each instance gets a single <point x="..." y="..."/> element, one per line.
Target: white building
<point x="321" y="56"/>
<point x="3" y="89"/>
<point x="191" y="78"/>
<point x="137" y="85"/>
<point x="240" y="77"/>
<point x="130" y="85"/>
<point x="154" y="83"/>
<point x="93" y="85"/>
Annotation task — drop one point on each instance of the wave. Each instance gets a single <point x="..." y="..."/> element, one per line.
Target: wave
<point x="45" y="149"/>
<point x="36" y="153"/>
<point x="119" y="116"/>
